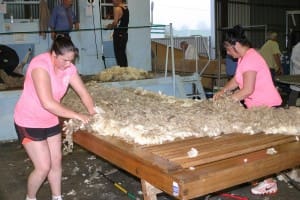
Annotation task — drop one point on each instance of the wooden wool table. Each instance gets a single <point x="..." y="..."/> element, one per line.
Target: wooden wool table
<point x="221" y="162"/>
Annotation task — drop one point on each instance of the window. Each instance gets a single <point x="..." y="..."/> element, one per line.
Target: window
<point x="22" y="9"/>
<point x="29" y="9"/>
<point x="188" y="18"/>
<point x="107" y="9"/>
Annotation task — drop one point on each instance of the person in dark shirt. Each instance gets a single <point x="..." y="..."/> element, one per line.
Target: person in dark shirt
<point x="120" y="35"/>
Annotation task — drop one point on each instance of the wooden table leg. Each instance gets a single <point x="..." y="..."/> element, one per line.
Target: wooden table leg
<point x="149" y="191"/>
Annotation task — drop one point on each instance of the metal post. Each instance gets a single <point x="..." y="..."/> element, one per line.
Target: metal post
<point x="196" y="47"/>
<point x="166" y="61"/>
<point x="173" y="60"/>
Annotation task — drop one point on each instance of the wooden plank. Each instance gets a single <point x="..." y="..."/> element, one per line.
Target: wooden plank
<point x="223" y="174"/>
<point x="211" y="150"/>
<point x="223" y="152"/>
<point x="206" y="142"/>
<point x="113" y="144"/>
<point x="183" y="66"/>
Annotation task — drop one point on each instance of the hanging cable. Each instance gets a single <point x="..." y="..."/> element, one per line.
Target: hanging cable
<point x="101" y="35"/>
<point x="94" y="29"/>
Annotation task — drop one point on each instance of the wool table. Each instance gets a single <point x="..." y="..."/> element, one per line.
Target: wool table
<point x="222" y="162"/>
<point x="289" y="79"/>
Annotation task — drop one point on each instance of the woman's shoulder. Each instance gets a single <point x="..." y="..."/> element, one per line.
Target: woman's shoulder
<point x="254" y="59"/>
<point x="43" y="57"/>
<point x="42" y="60"/>
<point x="252" y="53"/>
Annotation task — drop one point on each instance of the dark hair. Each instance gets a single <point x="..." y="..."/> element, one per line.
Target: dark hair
<point x="237" y="34"/>
<point x="62" y="44"/>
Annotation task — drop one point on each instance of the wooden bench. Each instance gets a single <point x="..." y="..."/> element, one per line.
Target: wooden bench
<point x="221" y="163"/>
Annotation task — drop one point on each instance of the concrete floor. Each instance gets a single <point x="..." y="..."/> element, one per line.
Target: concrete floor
<point x="81" y="180"/>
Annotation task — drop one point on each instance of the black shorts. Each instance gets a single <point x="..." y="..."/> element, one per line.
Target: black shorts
<point x="36" y="134"/>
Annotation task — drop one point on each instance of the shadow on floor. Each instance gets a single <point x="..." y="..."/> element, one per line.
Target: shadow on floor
<point x="81" y="180"/>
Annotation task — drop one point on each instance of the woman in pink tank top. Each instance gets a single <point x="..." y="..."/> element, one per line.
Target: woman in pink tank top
<point x="252" y="83"/>
<point x="38" y="110"/>
<point x="252" y="78"/>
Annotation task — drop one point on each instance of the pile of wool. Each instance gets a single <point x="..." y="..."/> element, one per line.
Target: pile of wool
<point x="10" y="81"/>
<point x="3" y="86"/>
<point x="144" y="117"/>
<point x="118" y="73"/>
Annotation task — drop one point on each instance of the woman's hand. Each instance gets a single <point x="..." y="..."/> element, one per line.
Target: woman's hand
<point x="219" y="94"/>
<point x="230" y="86"/>
<point x="83" y="118"/>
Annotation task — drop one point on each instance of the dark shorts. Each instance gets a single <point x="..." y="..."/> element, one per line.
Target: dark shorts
<point x="26" y="135"/>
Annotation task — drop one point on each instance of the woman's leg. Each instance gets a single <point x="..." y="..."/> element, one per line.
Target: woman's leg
<point x="39" y="154"/>
<point x="55" y="173"/>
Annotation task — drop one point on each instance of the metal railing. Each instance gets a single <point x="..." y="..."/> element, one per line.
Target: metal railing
<point x="199" y="42"/>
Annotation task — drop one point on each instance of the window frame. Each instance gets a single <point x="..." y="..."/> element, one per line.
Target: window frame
<point x="29" y="9"/>
<point x="106" y="9"/>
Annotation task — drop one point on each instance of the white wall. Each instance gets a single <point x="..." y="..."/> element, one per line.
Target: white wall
<point x="139" y="42"/>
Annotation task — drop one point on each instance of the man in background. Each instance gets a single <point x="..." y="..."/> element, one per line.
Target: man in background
<point x="294" y="69"/>
<point x="271" y="53"/>
<point x="63" y="19"/>
<point x="190" y="52"/>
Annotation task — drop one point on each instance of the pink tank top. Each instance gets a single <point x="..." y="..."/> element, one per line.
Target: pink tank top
<point x="29" y="111"/>
<point x="265" y="93"/>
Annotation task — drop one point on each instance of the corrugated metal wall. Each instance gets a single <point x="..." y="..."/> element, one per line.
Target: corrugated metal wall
<point x="238" y="13"/>
<point x="255" y="13"/>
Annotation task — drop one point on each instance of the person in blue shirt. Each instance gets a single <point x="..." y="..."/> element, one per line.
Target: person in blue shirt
<point x="231" y="64"/>
<point x="63" y="19"/>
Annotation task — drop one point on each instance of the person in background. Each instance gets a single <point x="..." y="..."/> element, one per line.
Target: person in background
<point x="63" y="20"/>
<point x="120" y="34"/>
<point x="294" y="69"/>
<point x="38" y="108"/>
<point x="271" y="53"/>
<point x="231" y="64"/>
<point x="190" y="52"/>
<point x="252" y="77"/>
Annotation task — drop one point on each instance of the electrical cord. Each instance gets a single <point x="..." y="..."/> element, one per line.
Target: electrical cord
<point x="101" y="36"/>
<point x="94" y="29"/>
<point x="118" y="186"/>
<point x="291" y="181"/>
